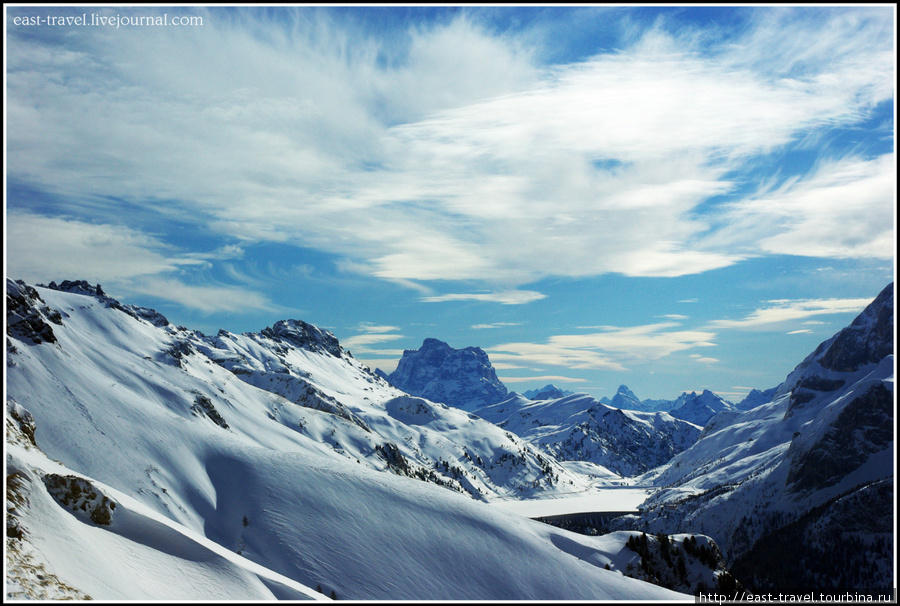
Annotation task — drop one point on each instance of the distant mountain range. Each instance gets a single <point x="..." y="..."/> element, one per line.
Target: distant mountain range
<point x="465" y="378"/>
<point x="693" y="407"/>
<point x="579" y="428"/>
<point x="570" y="427"/>
<point x="798" y="490"/>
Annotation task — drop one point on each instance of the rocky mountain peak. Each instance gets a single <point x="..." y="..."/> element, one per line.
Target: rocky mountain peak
<point x="866" y="341"/>
<point x="83" y="287"/>
<point x="625" y="398"/>
<point x="78" y="287"/>
<point x="463" y="378"/>
<point x="305" y="336"/>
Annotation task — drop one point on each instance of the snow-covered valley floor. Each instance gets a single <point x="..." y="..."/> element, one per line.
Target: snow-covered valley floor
<point x="608" y="499"/>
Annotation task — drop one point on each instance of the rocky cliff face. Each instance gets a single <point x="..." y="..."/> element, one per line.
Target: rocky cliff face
<point x="462" y="378"/>
<point x="27" y="315"/>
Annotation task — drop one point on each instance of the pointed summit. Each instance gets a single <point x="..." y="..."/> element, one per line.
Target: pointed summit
<point x="625" y="398"/>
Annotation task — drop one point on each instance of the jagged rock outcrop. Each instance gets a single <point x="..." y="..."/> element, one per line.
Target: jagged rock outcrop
<point x="303" y="335"/>
<point x="462" y="378"/>
<point x="81" y="496"/>
<point x="27" y="314"/>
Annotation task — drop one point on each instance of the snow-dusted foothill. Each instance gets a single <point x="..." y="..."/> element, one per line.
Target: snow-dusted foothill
<point x="799" y="490"/>
<point x="259" y="466"/>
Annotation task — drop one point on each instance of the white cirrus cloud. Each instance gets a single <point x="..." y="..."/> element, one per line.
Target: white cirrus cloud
<point x="41" y="248"/>
<point x="505" y="366"/>
<point x="47" y="249"/>
<point x="205" y="298"/>
<point x="508" y="297"/>
<point x="780" y="311"/>
<point x="842" y="210"/>
<point x="704" y="359"/>
<point x="557" y="378"/>
<point x="376" y="328"/>
<point x="448" y="152"/>
<point x="609" y="350"/>
<point x="360" y="343"/>
<point x="495" y="325"/>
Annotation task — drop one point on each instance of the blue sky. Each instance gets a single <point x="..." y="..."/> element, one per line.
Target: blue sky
<point x="673" y="198"/>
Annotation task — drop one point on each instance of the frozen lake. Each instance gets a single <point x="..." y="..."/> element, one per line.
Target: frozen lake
<point x="625" y="498"/>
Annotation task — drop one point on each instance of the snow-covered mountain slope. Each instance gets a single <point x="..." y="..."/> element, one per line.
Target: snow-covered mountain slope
<point x="278" y="447"/>
<point x="292" y="374"/>
<point x="547" y="392"/>
<point x="699" y="408"/>
<point x="57" y="551"/>
<point x="462" y="378"/>
<point x="815" y="464"/>
<point x="579" y="428"/>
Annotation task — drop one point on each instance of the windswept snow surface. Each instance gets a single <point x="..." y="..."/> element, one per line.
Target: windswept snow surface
<point x="141" y="555"/>
<point x="238" y="458"/>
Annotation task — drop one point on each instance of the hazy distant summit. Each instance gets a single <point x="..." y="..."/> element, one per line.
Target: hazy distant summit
<point x="463" y="378"/>
<point x="547" y="392"/>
